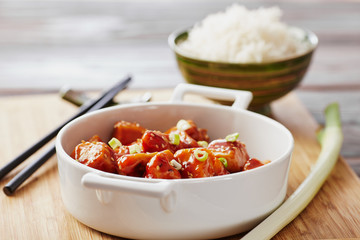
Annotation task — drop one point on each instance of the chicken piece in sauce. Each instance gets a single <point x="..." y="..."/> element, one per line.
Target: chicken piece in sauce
<point x="127" y="132"/>
<point x="134" y="164"/>
<point x="95" y="154"/>
<point x="234" y="152"/>
<point x="156" y="141"/>
<point x="191" y="129"/>
<point x="198" y="163"/>
<point x="160" y="166"/>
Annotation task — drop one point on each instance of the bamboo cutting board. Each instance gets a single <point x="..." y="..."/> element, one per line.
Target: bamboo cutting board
<point x="36" y="210"/>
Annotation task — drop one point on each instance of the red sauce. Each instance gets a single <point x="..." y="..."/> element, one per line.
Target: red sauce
<point x="153" y="154"/>
<point x="253" y="163"/>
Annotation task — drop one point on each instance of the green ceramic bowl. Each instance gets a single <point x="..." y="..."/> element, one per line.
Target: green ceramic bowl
<point x="267" y="81"/>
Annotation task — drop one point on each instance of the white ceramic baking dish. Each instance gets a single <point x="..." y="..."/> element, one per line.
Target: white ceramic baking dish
<point x="200" y="208"/>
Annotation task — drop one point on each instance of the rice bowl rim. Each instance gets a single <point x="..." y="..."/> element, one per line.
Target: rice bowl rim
<point x="176" y="35"/>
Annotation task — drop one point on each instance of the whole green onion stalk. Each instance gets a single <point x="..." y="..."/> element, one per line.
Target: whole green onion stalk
<point x="330" y="138"/>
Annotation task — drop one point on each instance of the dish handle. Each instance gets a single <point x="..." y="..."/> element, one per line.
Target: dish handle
<point x="241" y="98"/>
<point x="164" y="190"/>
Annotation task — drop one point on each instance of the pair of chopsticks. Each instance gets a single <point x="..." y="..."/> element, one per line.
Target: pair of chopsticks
<point x="93" y="105"/>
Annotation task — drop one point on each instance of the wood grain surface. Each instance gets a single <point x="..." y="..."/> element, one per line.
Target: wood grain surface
<point x="36" y="210"/>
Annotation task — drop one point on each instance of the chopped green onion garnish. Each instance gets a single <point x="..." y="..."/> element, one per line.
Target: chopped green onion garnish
<point x="175" y="164"/>
<point x="114" y="143"/>
<point x="200" y="155"/>
<point x="135" y="148"/>
<point x="203" y="144"/>
<point x="224" y="161"/>
<point x="232" y="137"/>
<point x="183" y="125"/>
<point x="174" y="138"/>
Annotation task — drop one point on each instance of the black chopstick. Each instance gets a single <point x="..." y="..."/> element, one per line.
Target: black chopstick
<point x="14" y="183"/>
<point x="101" y="102"/>
<point x="27" y="153"/>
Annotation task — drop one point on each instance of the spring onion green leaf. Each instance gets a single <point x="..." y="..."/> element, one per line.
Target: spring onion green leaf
<point x="224" y="161"/>
<point x="135" y="148"/>
<point x="174" y="138"/>
<point x="183" y="125"/>
<point x="114" y="143"/>
<point x="330" y="139"/>
<point x="201" y="155"/>
<point x="232" y="137"/>
<point x="203" y="144"/>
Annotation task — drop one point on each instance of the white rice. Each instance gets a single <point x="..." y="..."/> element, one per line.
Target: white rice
<point x="240" y="35"/>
